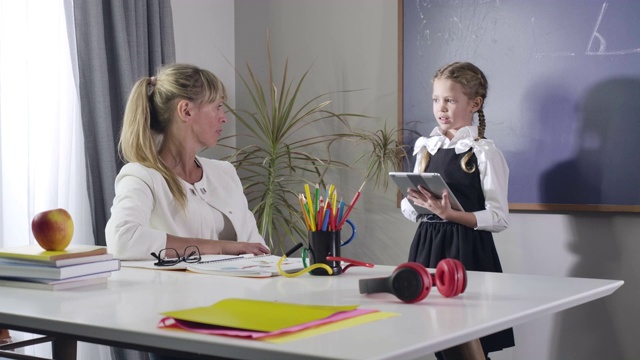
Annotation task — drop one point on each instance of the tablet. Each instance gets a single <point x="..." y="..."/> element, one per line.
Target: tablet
<point x="433" y="182"/>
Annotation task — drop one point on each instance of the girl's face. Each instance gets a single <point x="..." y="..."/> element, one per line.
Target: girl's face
<point x="451" y="107"/>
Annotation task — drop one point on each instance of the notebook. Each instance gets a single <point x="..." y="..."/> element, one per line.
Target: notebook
<point x="433" y="182"/>
<point x="150" y="264"/>
<point x="254" y="266"/>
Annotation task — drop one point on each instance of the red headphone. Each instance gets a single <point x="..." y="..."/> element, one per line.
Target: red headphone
<point x="411" y="281"/>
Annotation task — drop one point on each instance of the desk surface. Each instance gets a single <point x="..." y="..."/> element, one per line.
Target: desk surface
<point x="127" y="310"/>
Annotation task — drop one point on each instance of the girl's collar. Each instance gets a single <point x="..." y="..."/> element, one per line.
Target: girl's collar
<point x="467" y="131"/>
<point x="463" y="139"/>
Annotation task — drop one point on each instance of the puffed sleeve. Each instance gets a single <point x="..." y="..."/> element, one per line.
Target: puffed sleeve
<point x="407" y="210"/>
<point x="127" y="233"/>
<point x="494" y="177"/>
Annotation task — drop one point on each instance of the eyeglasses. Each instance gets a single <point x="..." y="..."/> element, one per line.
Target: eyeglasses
<point x="170" y="256"/>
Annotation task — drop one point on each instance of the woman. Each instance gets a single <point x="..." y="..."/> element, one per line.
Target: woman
<point x="166" y="195"/>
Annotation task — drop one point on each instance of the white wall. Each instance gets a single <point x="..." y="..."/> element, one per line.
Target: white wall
<point x="350" y="45"/>
<point x="204" y="36"/>
<point x="353" y="44"/>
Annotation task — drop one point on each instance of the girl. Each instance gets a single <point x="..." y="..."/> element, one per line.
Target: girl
<point x="476" y="173"/>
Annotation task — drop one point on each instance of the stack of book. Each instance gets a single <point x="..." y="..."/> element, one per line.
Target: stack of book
<point x="76" y="266"/>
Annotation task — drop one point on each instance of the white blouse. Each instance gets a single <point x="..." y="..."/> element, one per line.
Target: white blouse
<point x="494" y="174"/>
<point x="144" y="211"/>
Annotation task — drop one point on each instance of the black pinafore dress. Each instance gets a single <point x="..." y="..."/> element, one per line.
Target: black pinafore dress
<point x="437" y="239"/>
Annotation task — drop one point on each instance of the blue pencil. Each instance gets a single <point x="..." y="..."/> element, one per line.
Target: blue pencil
<point x="325" y="219"/>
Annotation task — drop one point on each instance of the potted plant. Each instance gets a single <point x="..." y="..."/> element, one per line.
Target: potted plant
<point x="280" y="159"/>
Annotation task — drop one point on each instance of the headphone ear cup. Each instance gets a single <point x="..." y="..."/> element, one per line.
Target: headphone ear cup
<point x="411" y="282"/>
<point x="462" y="271"/>
<point x="451" y="277"/>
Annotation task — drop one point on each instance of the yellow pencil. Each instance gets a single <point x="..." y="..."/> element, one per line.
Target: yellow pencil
<point x="310" y="206"/>
<point x="304" y="211"/>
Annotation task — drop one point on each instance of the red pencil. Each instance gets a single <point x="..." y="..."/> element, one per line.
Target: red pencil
<point x="353" y="202"/>
<point x="320" y="214"/>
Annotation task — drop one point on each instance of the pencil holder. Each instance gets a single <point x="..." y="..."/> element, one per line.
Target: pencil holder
<point x="327" y="243"/>
<point x="321" y="245"/>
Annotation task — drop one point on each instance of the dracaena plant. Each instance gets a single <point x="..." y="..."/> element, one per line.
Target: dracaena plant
<point x="280" y="158"/>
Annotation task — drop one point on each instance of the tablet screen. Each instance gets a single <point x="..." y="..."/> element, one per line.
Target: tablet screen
<point x="433" y="182"/>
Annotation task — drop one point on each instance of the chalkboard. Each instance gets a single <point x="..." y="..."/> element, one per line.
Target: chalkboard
<point x="564" y="92"/>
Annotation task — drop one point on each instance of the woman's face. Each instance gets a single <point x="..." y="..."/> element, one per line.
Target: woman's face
<point x="208" y="125"/>
<point x="451" y="107"/>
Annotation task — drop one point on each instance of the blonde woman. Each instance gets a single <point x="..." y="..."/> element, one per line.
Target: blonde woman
<point x="166" y="195"/>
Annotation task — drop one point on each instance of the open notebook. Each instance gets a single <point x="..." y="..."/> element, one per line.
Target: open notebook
<point x="149" y="264"/>
<point x="254" y="266"/>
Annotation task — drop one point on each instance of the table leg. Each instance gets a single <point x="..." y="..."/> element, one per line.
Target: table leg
<point x="471" y="350"/>
<point x="64" y="348"/>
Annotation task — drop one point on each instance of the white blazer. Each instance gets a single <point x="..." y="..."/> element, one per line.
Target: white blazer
<point x="144" y="211"/>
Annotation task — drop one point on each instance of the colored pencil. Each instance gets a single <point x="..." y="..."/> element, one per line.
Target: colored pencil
<point x="304" y="212"/>
<point x="353" y="203"/>
<point x="325" y="217"/>
<point x="334" y="211"/>
<point x="320" y="213"/>
<point x="316" y="200"/>
<point x="340" y="212"/>
<point x="310" y="206"/>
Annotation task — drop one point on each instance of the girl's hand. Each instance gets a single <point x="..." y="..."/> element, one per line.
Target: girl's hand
<point x="442" y="207"/>
<point x="425" y="199"/>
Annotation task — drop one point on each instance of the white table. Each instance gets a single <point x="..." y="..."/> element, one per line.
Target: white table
<point x="126" y="311"/>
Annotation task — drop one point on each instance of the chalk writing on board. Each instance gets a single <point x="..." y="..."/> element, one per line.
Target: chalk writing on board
<point x="597" y="43"/>
<point x="565" y="79"/>
<point x="602" y="50"/>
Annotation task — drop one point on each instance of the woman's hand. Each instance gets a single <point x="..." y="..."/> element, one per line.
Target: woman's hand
<point x="227" y="247"/>
<point x="239" y="248"/>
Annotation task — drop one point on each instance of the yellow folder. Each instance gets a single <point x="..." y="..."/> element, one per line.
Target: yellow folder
<point x="326" y="328"/>
<point x="257" y="315"/>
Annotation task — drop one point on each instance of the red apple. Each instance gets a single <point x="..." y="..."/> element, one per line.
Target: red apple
<point x="53" y="229"/>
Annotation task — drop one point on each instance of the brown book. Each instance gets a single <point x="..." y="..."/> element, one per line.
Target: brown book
<point x="38" y="254"/>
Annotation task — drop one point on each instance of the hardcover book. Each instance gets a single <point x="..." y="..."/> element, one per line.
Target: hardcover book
<point x="36" y="253"/>
<point x="58" y="263"/>
<point x="45" y="284"/>
<point x="57" y="273"/>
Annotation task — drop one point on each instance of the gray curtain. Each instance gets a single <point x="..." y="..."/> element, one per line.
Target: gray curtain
<point x="118" y="41"/>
